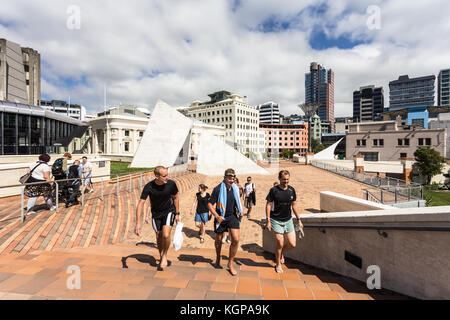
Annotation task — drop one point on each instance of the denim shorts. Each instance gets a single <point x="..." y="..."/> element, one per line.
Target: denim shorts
<point x="282" y="226"/>
<point x="201" y="217"/>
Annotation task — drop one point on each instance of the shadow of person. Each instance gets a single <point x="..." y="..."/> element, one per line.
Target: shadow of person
<point x="261" y="223"/>
<point x="148" y="244"/>
<point x="142" y="258"/>
<point x="190" y="233"/>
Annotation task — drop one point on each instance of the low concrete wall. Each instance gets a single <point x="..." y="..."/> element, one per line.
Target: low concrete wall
<point x="412" y="262"/>
<point x="119" y="158"/>
<point x="11" y="173"/>
<point x="335" y="202"/>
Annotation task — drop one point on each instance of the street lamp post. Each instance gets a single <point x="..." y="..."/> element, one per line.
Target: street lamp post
<point x="309" y="109"/>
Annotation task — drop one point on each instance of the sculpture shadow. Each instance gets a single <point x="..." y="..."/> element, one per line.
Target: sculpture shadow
<point x="312" y="210"/>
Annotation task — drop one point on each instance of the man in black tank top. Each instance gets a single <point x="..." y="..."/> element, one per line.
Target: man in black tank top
<point x="164" y="203"/>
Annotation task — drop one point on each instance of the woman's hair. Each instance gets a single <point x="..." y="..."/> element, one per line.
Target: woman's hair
<point x="203" y="187"/>
<point x="44" y="157"/>
<point x="282" y="173"/>
<point x="67" y="155"/>
<point x="237" y="181"/>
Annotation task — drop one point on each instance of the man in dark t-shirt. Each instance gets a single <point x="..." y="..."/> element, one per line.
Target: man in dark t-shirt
<point x="230" y="222"/>
<point x="281" y="199"/>
<point x="164" y="204"/>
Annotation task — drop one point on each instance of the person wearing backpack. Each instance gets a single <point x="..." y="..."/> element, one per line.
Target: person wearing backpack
<point x="279" y="218"/>
<point x="39" y="172"/>
<point x="250" y="198"/>
<point x="73" y="186"/>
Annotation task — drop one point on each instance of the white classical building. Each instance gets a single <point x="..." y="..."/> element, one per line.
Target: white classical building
<point x="240" y="120"/>
<point x="117" y="134"/>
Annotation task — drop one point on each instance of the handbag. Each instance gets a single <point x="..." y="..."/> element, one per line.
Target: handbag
<point x="178" y="237"/>
<point x="24" y="179"/>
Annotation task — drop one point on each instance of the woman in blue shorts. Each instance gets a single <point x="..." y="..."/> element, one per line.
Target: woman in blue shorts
<point x="202" y="214"/>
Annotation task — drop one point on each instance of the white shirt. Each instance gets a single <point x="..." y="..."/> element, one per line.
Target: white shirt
<point x="38" y="173"/>
<point x="248" y="189"/>
<point x="85" y="168"/>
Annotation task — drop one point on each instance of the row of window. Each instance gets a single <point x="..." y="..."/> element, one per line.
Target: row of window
<point x="127" y="133"/>
<point x="284" y="132"/>
<point x="292" y="138"/>
<point x="400" y="142"/>
<point x="285" y="145"/>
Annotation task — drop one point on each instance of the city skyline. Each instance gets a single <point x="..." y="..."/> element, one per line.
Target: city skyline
<point x="261" y="49"/>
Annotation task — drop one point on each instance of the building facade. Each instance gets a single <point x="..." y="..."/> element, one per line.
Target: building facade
<point x="406" y="92"/>
<point x="240" y="120"/>
<point x="341" y="124"/>
<point x="319" y="127"/>
<point x="319" y="88"/>
<point x="368" y="104"/>
<point x="71" y="110"/>
<point x="286" y="136"/>
<point x="20" y="74"/>
<point x="443" y="122"/>
<point x="444" y="88"/>
<point x="269" y="112"/>
<point x="390" y="141"/>
<point x="26" y="129"/>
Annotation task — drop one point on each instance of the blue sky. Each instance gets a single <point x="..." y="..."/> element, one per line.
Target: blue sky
<point x="183" y="51"/>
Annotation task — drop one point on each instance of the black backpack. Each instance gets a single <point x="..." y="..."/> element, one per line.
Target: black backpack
<point x="57" y="167"/>
<point x="73" y="172"/>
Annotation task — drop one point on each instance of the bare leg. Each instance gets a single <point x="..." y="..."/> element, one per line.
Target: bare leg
<point x="159" y="243"/>
<point x="279" y="238"/>
<point x="165" y="241"/>
<point x="233" y="249"/>
<point x="218" y="245"/>
<point x="249" y="211"/>
<point x="202" y="230"/>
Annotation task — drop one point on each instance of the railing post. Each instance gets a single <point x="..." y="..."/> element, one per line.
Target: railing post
<point x="118" y="186"/>
<point x="22" y="204"/>
<point x="367" y="194"/>
<point x="57" y="197"/>
<point x="421" y="192"/>
<point x="140" y="180"/>
<point x="381" y="198"/>
<point x="130" y="183"/>
<point x="409" y="193"/>
<point x="83" y="189"/>
<point x="396" y="194"/>
<point x="102" y="188"/>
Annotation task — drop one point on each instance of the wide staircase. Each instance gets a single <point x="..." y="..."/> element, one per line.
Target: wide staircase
<point x="129" y="271"/>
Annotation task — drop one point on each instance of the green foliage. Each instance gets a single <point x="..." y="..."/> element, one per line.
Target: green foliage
<point x="316" y="146"/>
<point x="429" y="162"/>
<point x="286" y="153"/>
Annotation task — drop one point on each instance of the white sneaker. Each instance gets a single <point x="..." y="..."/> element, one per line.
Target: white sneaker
<point x="53" y="208"/>
<point x="30" y="212"/>
<point x="92" y="190"/>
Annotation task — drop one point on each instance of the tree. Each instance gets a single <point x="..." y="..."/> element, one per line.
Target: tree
<point x="429" y="162"/>
<point x="286" y="153"/>
<point x="316" y="146"/>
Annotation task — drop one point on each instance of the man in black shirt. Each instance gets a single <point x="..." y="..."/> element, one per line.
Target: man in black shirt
<point x="279" y="219"/>
<point x="228" y="220"/>
<point x="164" y="203"/>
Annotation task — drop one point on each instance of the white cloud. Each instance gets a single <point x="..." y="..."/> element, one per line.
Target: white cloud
<point x="181" y="51"/>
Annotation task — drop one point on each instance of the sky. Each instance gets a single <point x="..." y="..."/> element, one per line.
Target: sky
<point x="182" y="50"/>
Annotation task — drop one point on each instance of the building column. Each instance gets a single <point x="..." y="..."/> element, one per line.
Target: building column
<point x="407" y="169"/>
<point x="359" y="163"/>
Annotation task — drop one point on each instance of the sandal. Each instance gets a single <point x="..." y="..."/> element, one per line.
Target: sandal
<point x="202" y="239"/>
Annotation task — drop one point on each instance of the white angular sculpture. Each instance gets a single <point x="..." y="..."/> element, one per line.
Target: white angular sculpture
<point x="328" y="153"/>
<point x="168" y="132"/>
<point x="163" y="139"/>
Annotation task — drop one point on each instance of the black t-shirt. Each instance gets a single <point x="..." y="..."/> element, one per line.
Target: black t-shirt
<point x="231" y="202"/>
<point x="160" y="197"/>
<point x="282" y="200"/>
<point x="202" y="202"/>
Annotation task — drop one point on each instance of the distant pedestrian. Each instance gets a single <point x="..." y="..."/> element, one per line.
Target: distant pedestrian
<point x="40" y="172"/>
<point x="228" y="214"/>
<point x="164" y="204"/>
<point x="279" y="219"/>
<point x="202" y="214"/>
<point x="250" y="195"/>
<point x="87" y="168"/>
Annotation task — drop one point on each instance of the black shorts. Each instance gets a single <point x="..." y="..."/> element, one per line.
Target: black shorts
<point x="166" y="219"/>
<point x="230" y="222"/>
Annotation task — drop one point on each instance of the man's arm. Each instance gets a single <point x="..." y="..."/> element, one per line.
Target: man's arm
<point x="176" y="202"/>
<point x="214" y="213"/>
<point x="138" y="216"/>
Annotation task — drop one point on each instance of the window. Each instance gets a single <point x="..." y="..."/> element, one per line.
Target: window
<point x="420" y="141"/>
<point x="428" y="141"/>
<point x="403" y="155"/>
<point x="127" y="146"/>
<point x="363" y="142"/>
<point x="127" y="133"/>
<point x="406" y="142"/>
<point x="358" y="143"/>
<point x="400" y="142"/>
<point x="141" y="134"/>
<point x="375" y="142"/>
<point x="381" y="142"/>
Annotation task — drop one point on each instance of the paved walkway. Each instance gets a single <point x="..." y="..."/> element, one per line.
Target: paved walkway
<point x="99" y="237"/>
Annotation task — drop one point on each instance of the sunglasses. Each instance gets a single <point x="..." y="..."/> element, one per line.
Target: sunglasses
<point x="230" y="176"/>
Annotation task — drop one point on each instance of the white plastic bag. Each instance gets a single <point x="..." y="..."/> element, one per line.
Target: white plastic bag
<point x="178" y="237"/>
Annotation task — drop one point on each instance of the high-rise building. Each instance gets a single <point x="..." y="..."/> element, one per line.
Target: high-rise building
<point x="444" y="88"/>
<point x="368" y="104"/>
<point x="406" y="92"/>
<point x="240" y="119"/>
<point x="20" y="74"/>
<point x="269" y="112"/>
<point x="319" y="88"/>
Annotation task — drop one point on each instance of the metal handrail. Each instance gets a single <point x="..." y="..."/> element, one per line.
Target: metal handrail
<point x="375" y="226"/>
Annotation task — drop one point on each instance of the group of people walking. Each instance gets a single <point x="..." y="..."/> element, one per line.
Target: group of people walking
<point x="68" y="178"/>
<point x="225" y="206"/>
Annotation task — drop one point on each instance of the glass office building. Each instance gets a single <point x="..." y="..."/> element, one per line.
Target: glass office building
<point x="26" y="129"/>
<point x="444" y="88"/>
<point x="406" y="92"/>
